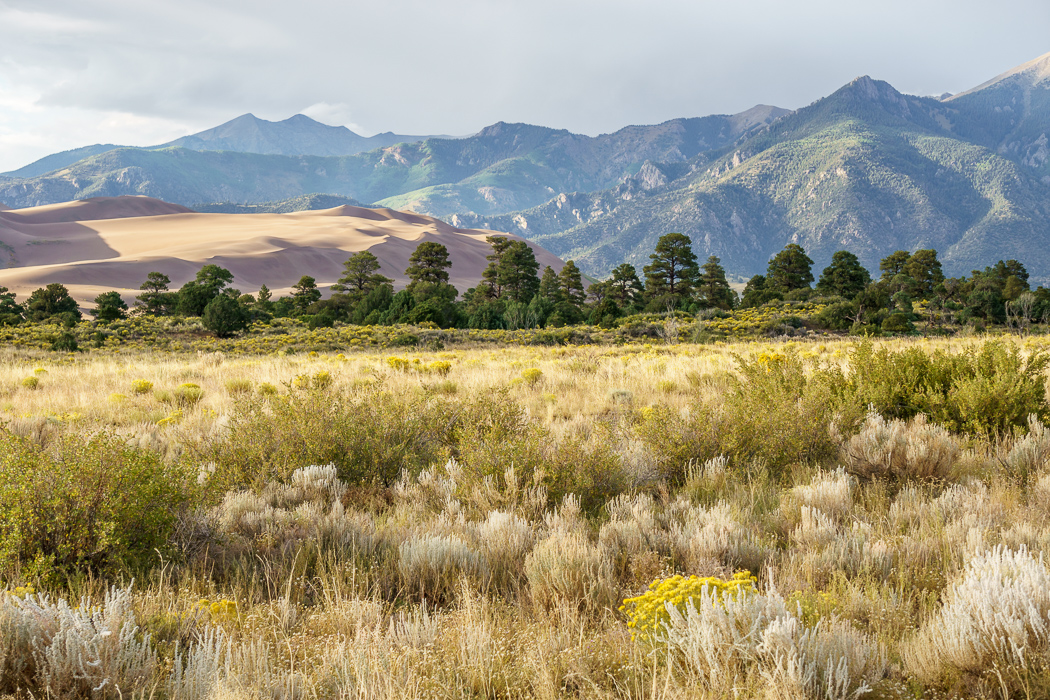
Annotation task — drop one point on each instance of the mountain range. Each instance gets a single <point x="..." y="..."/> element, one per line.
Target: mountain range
<point x="867" y="168"/>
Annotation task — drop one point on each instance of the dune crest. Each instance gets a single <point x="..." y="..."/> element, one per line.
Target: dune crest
<point x="110" y="243"/>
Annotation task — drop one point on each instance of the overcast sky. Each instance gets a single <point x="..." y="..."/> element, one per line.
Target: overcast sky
<point x="141" y="72"/>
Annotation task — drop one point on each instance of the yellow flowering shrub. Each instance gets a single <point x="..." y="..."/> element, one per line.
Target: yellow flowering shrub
<point x="223" y="609"/>
<point x="647" y="612"/>
<point x="398" y="364"/>
<point x="141" y="386"/>
<point x="439" y="367"/>
<point x="532" y="375"/>
<point x="30" y="382"/>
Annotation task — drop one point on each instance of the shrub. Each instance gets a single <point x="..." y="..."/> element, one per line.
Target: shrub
<point x="898" y="323"/>
<point x="369" y="434"/>
<point x="986" y="389"/>
<point x="61" y="651"/>
<point x="532" y="376"/>
<point x="779" y="413"/>
<point x="898" y="450"/>
<point x="430" y="566"/>
<point x="141" y="386"/>
<point x="187" y="394"/>
<point x="267" y="389"/>
<point x="439" y="367"/>
<point x="993" y="624"/>
<point x="31" y="382"/>
<point x="238" y="386"/>
<point x="648" y="613"/>
<point x="505" y="541"/>
<point x="732" y="642"/>
<point x="94" y="504"/>
<point x="65" y="342"/>
<point x="713" y="538"/>
<point x="566" y="568"/>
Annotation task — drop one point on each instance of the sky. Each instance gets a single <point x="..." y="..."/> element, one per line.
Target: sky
<point x="141" y="72"/>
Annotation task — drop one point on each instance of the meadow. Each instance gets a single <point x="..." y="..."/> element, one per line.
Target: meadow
<point x="824" y="518"/>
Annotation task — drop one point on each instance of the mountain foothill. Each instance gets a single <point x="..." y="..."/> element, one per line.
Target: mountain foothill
<point x="866" y="169"/>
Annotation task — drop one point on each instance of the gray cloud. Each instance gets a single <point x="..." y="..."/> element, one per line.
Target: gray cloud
<point x="127" y="71"/>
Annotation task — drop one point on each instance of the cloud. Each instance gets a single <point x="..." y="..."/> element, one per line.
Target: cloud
<point x="136" y="72"/>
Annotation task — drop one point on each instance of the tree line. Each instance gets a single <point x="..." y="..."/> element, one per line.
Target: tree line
<point x="513" y="293"/>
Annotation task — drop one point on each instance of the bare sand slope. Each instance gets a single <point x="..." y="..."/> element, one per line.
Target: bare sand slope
<point x="113" y="243"/>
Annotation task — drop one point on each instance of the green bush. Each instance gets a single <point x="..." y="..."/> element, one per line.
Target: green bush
<point x="369" y="434"/>
<point x="84" y="505"/>
<point x="898" y="323"/>
<point x="779" y="412"/>
<point x="187" y="394"/>
<point x="987" y="389"/>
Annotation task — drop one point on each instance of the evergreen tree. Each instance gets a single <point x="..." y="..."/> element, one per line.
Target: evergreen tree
<point x="845" y="276"/>
<point x="925" y="269"/>
<point x="570" y="281"/>
<point x="369" y="310"/>
<point x="110" y="307"/>
<point x="673" y="271"/>
<point x="211" y="281"/>
<point x="224" y="316"/>
<point x="49" y="302"/>
<point x="429" y="287"/>
<point x="360" y="276"/>
<point x="305" y="293"/>
<point x="550" y="286"/>
<point x="491" y="283"/>
<point x="11" y="312"/>
<point x="789" y="269"/>
<point x="758" y="292"/>
<point x="155" y="299"/>
<point x="893" y="264"/>
<point x="263" y="306"/>
<point x="511" y="274"/>
<point x="428" y="264"/>
<point x="713" y="287"/>
<point x="625" y="288"/>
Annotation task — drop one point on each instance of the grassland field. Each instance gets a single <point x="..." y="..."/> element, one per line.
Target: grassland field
<point x="523" y="521"/>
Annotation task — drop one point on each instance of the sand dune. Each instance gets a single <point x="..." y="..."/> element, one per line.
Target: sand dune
<point x="98" y="245"/>
<point x="4" y="208"/>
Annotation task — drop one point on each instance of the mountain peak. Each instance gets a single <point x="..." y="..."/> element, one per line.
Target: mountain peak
<point x="1028" y="75"/>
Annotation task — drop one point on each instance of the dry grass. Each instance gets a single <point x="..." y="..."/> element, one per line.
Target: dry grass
<point x="915" y="563"/>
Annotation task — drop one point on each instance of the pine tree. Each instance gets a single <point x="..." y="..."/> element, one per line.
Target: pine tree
<point x="512" y="271"/>
<point x="305" y="293"/>
<point x="51" y="301"/>
<point x="789" y="269"/>
<point x="845" y="276"/>
<point x="624" y="286"/>
<point x="550" y="285"/>
<point x="360" y="276"/>
<point x="924" y="267"/>
<point x="672" y="274"/>
<point x="570" y="282"/>
<point x="110" y="307"/>
<point x="428" y="264"/>
<point x="713" y="287"/>
<point x="155" y="299"/>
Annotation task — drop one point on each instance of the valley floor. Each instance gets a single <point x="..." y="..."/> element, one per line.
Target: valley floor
<point x="482" y="523"/>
